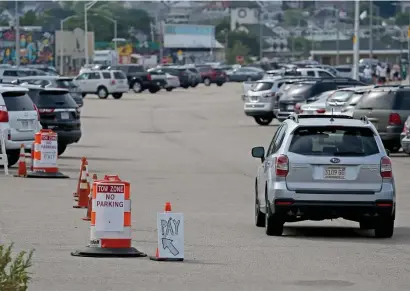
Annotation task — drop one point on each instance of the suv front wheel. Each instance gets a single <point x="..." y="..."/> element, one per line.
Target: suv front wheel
<point x="263" y="120"/>
<point x="102" y="92"/>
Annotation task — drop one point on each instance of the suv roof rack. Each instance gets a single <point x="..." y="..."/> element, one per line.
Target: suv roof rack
<point x="295" y="117"/>
<point x="392" y="85"/>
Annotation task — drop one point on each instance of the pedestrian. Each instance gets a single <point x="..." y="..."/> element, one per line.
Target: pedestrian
<point x="367" y="72"/>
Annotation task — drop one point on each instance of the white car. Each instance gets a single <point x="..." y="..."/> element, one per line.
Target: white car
<point x="19" y="119"/>
<point x="102" y="83"/>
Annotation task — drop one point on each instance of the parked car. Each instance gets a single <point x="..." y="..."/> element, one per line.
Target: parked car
<point x="184" y="76"/>
<point x="307" y="107"/>
<point x="350" y="104"/>
<point x="139" y="79"/>
<point x="8" y="74"/>
<point x="387" y="107"/>
<point x="196" y="76"/>
<point x="54" y="82"/>
<point x="246" y="74"/>
<point x="102" y="83"/>
<point x="325" y="167"/>
<point x="59" y="112"/>
<point x="19" y="117"/>
<point x="304" y="90"/>
<point x="211" y="75"/>
<point x="405" y="136"/>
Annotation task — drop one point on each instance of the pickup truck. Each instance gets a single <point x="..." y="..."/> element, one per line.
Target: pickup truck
<point x="139" y="79"/>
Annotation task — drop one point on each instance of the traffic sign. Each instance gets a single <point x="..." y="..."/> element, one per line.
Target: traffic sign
<point x="48" y="148"/>
<point x="109" y="207"/>
<point x="170" y="235"/>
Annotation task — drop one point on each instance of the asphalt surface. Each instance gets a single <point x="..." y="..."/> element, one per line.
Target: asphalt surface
<point x="191" y="147"/>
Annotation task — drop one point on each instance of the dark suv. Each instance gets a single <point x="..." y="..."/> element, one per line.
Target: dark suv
<point x="304" y="90"/>
<point x="139" y="79"/>
<point x="387" y="107"/>
<point x="59" y="112"/>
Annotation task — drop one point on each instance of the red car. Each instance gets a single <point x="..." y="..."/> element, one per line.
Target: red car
<point x="211" y="75"/>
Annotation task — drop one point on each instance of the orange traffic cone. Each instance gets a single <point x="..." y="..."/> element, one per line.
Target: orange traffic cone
<point x="90" y="205"/>
<point x="83" y="162"/>
<point x="167" y="207"/>
<point x="84" y="190"/>
<point x="22" y="170"/>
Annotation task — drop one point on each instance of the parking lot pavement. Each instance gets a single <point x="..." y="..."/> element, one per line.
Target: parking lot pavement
<point x="191" y="147"/>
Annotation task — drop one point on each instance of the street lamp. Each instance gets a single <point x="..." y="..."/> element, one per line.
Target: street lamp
<point x="115" y="28"/>
<point x="62" y="43"/>
<point x="356" y="47"/>
<point x="87" y="6"/>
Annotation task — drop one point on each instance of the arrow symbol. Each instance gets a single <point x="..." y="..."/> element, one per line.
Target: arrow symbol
<point x="167" y="244"/>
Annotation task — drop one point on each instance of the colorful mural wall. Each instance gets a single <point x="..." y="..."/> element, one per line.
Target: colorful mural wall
<point x="36" y="47"/>
<point x="126" y="49"/>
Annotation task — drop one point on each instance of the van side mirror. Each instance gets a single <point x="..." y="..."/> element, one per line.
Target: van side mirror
<point x="259" y="153"/>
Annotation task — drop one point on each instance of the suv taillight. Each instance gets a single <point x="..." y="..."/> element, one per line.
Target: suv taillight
<point x="38" y="112"/>
<point x="46" y="110"/>
<point x="149" y="77"/>
<point x="4" y="115"/>
<point x="405" y="129"/>
<point x="394" y="119"/>
<point x="282" y="166"/>
<point x="385" y="168"/>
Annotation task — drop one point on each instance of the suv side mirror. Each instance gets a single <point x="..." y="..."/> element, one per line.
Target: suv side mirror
<point x="259" y="153"/>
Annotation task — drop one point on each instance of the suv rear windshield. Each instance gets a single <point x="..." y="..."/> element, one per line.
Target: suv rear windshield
<point x="298" y="90"/>
<point x="333" y="141"/>
<point x="262" y="86"/>
<point x="17" y="101"/>
<point x="52" y="99"/>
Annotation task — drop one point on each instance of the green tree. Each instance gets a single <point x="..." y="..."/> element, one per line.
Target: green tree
<point x="402" y="18"/>
<point x="294" y="17"/>
<point x="14" y="275"/>
<point x="29" y="19"/>
<point x="238" y="49"/>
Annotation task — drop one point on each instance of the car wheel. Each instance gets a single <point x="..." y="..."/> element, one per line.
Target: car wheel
<point x="195" y="84"/>
<point x="384" y="227"/>
<point x="137" y="87"/>
<point x="219" y="84"/>
<point x="185" y="86"/>
<point x="169" y="89"/>
<point x="117" y="95"/>
<point x="273" y="223"/>
<point x="264" y="121"/>
<point x="207" y="82"/>
<point x="61" y="148"/>
<point x="153" y="90"/>
<point x="13" y="157"/>
<point x="259" y="215"/>
<point x="102" y="92"/>
<point x="249" y="79"/>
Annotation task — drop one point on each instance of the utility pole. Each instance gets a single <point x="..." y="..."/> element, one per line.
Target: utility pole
<point x="371" y="29"/>
<point x="338" y="38"/>
<point x="356" y="47"/>
<point x="17" y="30"/>
<point x="260" y="35"/>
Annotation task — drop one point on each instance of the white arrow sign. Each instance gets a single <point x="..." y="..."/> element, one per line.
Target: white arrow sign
<point x="170" y="235"/>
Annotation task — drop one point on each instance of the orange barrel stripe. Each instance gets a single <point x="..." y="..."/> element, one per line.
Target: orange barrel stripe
<point x="36" y="165"/>
<point x="112" y="239"/>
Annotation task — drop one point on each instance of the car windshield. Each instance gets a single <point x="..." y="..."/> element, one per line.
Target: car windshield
<point x="53" y="99"/>
<point x="340" y="96"/>
<point x="298" y="89"/>
<point x="262" y="86"/>
<point x="333" y="141"/>
<point x="354" y="99"/>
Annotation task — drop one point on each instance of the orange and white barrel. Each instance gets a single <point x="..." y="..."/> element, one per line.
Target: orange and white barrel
<point x="45" y="152"/>
<point x="111" y="214"/>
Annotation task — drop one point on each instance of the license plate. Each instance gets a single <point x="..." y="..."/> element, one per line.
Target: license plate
<point x="25" y="124"/>
<point x="290" y="107"/>
<point x="65" y="115"/>
<point x="336" y="173"/>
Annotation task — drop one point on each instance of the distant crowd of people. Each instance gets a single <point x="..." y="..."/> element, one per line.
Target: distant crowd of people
<point x="382" y="73"/>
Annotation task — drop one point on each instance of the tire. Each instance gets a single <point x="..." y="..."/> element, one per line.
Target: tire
<point x="219" y="84"/>
<point x="273" y="223"/>
<point x="263" y="121"/>
<point x="207" y="82"/>
<point x="153" y="90"/>
<point x="259" y="215"/>
<point x="169" y="89"/>
<point x="102" y="92"/>
<point x="194" y="85"/>
<point x="384" y="227"/>
<point x="117" y="95"/>
<point x="83" y="94"/>
<point x="137" y="87"/>
<point x="185" y="86"/>
<point x="13" y="157"/>
<point x="61" y="148"/>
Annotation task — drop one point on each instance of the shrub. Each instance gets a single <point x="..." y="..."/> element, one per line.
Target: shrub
<point x="14" y="275"/>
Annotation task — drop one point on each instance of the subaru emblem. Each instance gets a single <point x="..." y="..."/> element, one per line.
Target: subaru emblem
<point x="335" y="160"/>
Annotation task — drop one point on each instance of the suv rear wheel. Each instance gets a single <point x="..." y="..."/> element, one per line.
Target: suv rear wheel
<point x="273" y="222"/>
<point x="102" y="92"/>
<point x="117" y="95"/>
<point x="13" y="157"/>
<point x="61" y="148"/>
<point x="259" y="215"/>
<point x="262" y="120"/>
<point x="207" y="82"/>
<point x="137" y="87"/>
<point x="384" y="227"/>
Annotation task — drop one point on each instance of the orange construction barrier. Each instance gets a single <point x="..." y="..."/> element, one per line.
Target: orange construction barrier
<point x="110" y="230"/>
<point x="84" y="189"/>
<point x="90" y="199"/>
<point x="22" y="166"/>
<point x="45" y="156"/>
<point x="83" y="161"/>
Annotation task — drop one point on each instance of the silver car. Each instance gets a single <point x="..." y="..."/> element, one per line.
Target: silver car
<point x="325" y="167"/>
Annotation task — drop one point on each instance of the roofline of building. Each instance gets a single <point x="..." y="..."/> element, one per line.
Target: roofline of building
<point x="350" y="52"/>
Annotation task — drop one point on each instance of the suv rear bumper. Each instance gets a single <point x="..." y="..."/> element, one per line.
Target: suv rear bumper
<point x="257" y="109"/>
<point x="16" y="144"/>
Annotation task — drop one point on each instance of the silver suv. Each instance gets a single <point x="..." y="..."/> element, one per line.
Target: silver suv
<point x="325" y="167"/>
